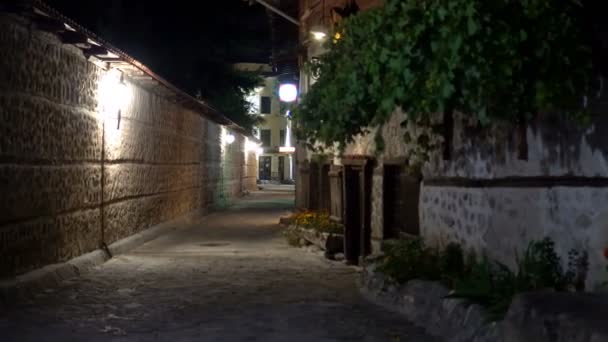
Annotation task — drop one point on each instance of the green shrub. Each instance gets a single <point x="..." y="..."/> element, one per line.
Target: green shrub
<point x="452" y="264"/>
<point x="490" y="284"/>
<point x="493" y="285"/>
<point x="541" y="267"/>
<point x="410" y="259"/>
<point x="482" y="281"/>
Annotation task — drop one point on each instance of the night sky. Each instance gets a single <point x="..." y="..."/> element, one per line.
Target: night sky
<point x="178" y="39"/>
<point x="192" y="44"/>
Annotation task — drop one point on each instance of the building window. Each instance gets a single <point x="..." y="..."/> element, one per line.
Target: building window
<point x="282" y="137"/>
<point x="265" y="105"/>
<point x="265" y="137"/>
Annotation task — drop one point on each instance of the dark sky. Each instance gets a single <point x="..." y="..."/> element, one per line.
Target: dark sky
<point x="171" y="36"/>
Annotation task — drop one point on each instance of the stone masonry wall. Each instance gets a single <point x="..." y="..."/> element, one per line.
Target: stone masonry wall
<point x="161" y="161"/>
<point x="493" y="202"/>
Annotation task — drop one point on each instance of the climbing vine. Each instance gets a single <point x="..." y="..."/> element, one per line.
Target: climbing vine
<point x="499" y="60"/>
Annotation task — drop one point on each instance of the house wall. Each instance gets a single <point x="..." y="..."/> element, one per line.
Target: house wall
<point x="488" y="200"/>
<point x="61" y="195"/>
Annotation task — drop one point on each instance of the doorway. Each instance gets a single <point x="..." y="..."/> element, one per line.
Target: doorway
<point x="400" y="202"/>
<point x="265" y="168"/>
<point x="281" y="168"/>
<point x="357" y="209"/>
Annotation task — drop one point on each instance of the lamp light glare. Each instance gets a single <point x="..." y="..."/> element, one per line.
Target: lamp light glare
<point x="113" y="94"/>
<point x="318" y="35"/>
<point x="251" y="146"/>
<point x="287" y="149"/>
<point x="229" y="138"/>
<point x="288" y="92"/>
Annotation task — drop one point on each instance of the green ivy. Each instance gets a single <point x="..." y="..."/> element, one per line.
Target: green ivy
<point x="503" y="60"/>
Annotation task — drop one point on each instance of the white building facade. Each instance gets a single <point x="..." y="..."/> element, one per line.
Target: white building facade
<point x="276" y="155"/>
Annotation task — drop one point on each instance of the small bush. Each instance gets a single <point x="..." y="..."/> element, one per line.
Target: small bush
<point x="406" y="260"/>
<point x="488" y="283"/>
<point x="452" y="264"/>
<point x="493" y="285"/>
<point x="541" y="268"/>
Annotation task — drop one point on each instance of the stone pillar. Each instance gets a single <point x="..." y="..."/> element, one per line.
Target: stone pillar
<point x="335" y="182"/>
<point x="377" y="210"/>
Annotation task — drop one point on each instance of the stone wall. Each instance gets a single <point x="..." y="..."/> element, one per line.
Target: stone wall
<point x="74" y="174"/>
<point x="488" y="199"/>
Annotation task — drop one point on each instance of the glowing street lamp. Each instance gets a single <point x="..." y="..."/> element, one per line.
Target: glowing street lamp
<point x="288" y="92"/>
<point x="113" y="94"/>
<point x="229" y="138"/>
<point x="319" y="33"/>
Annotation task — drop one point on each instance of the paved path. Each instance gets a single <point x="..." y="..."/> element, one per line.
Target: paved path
<point x="230" y="277"/>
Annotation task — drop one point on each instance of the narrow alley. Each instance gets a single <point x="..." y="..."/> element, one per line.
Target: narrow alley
<point x="229" y="277"/>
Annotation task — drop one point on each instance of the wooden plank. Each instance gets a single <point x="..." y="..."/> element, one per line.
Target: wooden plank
<point x="139" y="78"/>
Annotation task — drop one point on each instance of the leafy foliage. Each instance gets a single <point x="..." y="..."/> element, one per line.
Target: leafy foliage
<point x="491" y="60"/>
<point x="493" y="285"/>
<point x="479" y="280"/>
<point x="410" y="259"/>
<point x="226" y="88"/>
<point x="452" y="264"/>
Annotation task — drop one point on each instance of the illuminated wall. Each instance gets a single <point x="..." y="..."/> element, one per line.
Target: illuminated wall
<point x="89" y="157"/>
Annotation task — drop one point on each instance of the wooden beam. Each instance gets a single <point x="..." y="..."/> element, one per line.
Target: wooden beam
<point x="109" y="60"/>
<point x="140" y="78"/>
<point x="119" y="63"/>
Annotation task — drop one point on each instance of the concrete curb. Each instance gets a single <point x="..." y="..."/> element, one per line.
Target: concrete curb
<point x="28" y="284"/>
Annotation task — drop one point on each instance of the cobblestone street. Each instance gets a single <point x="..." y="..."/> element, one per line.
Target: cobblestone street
<point x="230" y="277"/>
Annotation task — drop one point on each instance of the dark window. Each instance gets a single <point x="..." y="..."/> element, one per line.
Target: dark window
<point x="265" y="137"/>
<point x="265" y="105"/>
<point x="282" y="137"/>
